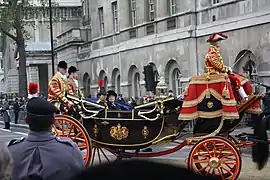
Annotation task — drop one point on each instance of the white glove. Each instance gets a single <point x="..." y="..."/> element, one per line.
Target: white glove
<point x="230" y="69"/>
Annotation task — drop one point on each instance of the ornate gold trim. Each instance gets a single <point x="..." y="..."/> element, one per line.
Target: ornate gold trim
<point x="244" y="81"/>
<point x="213" y="92"/>
<point x="216" y="78"/>
<point x="210" y="104"/>
<point x="106" y="115"/>
<point x="145" y="132"/>
<point x="209" y="115"/>
<point x="166" y="137"/>
<point x="118" y="132"/>
<point x="132" y="114"/>
<point x="215" y="133"/>
<point x="95" y="130"/>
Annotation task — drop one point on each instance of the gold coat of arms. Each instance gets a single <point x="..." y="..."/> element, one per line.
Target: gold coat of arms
<point x="118" y="132"/>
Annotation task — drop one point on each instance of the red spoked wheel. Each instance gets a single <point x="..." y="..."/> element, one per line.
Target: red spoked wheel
<point x="66" y="126"/>
<point x="215" y="156"/>
<point x="102" y="155"/>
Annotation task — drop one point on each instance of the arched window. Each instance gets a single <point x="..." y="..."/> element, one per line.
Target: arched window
<point x="105" y="82"/>
<point x="116" y="81"/>
<point x="156" y="75"/>
<point x="136" y="86"/>
<point x="251" y="70"/>
<point x="176" y="82"/>
<point x="86" y="84"/>
<point x="118" y="86"/>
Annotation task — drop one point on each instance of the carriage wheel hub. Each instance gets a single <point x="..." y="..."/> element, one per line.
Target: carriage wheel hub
<point x="214" y="162"/>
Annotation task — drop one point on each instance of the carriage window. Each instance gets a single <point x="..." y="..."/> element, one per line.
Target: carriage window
<point x="251" y="70"/>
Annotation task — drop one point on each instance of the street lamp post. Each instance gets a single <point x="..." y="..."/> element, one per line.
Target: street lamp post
<point x="51" y="32"/>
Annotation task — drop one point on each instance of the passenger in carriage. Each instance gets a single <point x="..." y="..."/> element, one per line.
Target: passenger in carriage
<point x="214" y="63"/>
<point x="111" y="97"/>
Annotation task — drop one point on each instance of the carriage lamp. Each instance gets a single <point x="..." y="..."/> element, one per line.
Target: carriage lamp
<point x="161" y="89"/>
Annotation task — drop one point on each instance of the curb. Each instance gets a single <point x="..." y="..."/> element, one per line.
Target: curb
<point x="24" y="126"/>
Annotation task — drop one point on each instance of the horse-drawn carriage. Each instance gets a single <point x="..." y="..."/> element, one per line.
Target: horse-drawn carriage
<point x="124" y="133"/>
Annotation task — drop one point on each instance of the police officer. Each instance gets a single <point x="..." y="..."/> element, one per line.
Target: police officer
<point x="41" y="155"/>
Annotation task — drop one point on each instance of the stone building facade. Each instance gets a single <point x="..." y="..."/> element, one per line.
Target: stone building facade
<point x="66" y="15"/>
<point x="125" y="35"/>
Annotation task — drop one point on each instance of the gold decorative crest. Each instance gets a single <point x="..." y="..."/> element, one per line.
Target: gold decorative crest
<point x="210" y="104"/>
<point x="118" y="132"/>
<point x="95" y="130"/>
<point x="145" y="132"/>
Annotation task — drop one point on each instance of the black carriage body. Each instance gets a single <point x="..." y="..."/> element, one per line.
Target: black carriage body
<point x="136" y="129"/>
<point x="124" y="133"/>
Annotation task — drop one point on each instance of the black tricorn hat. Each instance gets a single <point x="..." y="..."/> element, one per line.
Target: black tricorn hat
<point x="72" y="69"/>
<point x="111" y="93"/>
<point x="62" y="64"/>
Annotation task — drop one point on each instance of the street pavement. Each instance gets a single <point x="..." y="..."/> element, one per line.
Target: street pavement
<point x="178" y="158"/>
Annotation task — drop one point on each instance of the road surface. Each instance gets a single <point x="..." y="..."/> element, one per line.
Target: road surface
<point x="249" y="170"/>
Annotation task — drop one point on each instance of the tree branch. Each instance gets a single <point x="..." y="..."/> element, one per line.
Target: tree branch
<point x="9" y="34"/>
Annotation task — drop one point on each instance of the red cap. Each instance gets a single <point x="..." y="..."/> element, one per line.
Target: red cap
<point x="32" y="88"/>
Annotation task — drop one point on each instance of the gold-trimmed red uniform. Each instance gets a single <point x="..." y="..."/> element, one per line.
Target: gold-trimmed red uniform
<point x="213" y="61"/>
<point x="57" y="90"/>
<point x="214" y="65"/>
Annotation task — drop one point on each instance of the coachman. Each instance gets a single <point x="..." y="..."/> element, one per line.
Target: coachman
<point x="58" y="88"/>
<point x="73" y="85"/>
<point x="214" y="63"/>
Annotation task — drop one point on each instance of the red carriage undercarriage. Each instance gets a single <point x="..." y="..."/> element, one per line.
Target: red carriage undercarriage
<point x="211" y="103"/>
